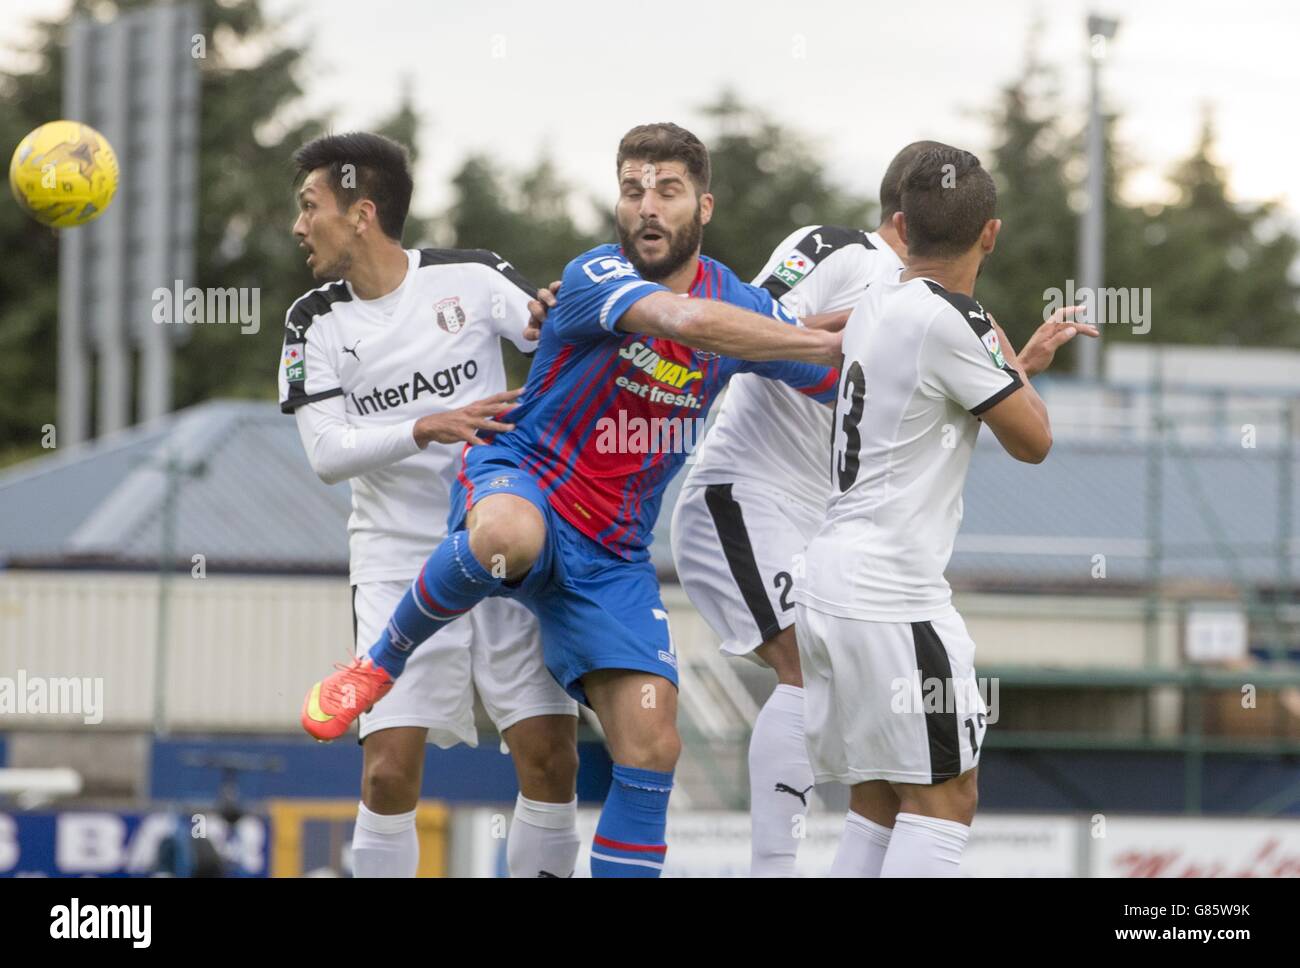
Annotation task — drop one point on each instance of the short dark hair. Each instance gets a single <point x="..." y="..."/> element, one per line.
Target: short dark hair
<point x="382" y="173"/>
<point x="891" y="186"/>
<point x="665" y="141"/>
<point x="947" y="199"/>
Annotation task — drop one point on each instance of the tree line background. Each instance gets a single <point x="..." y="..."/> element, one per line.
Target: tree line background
<point x="1220" y="272"/>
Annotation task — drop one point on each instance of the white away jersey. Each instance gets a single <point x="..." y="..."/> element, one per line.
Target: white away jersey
<point x="920" y="365"/>
<point x="764" y="431"/>
<point x="437" y="350"/>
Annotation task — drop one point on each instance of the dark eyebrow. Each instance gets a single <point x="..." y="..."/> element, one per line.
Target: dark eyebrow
<point x="670" y="178"/>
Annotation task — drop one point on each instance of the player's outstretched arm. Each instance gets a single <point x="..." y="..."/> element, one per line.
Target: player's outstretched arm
<point x="718" y="327"/>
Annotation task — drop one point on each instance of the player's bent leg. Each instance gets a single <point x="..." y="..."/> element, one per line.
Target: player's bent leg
<point x="932" y="827"/>
<point x="384" y="842"/>
<point x="780" y="775"/>
<point x="543" y="839"/>
<point x="503" y="537"/>
<point x="452" y="581"/>
<point x="873" y="805"/>
<point x="638" y="712"/>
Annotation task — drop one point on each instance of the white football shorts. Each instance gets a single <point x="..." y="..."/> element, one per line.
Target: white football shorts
<point x="738" y="549"/>
<point x="894" y="701"/>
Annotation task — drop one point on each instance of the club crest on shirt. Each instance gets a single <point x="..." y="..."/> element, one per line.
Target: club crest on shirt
<point x="994" y="346"/>
<point x="449" y="314"/>
<point x="605" y="267"/>
<point x="793" y="267"/>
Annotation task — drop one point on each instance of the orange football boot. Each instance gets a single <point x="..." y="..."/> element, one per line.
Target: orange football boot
<point x="337" y="700"/>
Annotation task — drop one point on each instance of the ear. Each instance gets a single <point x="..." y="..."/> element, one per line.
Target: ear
<point x="706" y="208"/>
<point x="364" y="215"/>
<point x="989" y="234"/>
<point x="900" y="226"/>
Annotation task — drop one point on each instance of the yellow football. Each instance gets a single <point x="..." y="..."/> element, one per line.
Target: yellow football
<point x="64" y="174"/>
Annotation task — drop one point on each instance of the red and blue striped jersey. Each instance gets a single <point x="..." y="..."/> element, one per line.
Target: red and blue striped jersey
<point x="608" y="417"/>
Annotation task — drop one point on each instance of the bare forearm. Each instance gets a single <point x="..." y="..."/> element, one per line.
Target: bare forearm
<point x="1036" y="401"/>
<point x="1031" y="395"/>
<point x="718" y="327"/>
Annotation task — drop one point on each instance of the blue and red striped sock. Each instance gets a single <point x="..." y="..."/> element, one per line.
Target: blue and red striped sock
<point x="451" y="583"/>
<point x="630" y="835"/>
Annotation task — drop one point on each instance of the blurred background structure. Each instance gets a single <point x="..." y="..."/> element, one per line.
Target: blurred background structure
<point x="1134" y="599"/>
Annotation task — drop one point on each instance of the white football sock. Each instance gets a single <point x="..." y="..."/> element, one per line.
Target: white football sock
<point x="780" y="783"/>
<point x="543" y="839"/>
<point x="384" y="845"/>
<point x="862" y="848"/>
<point x="924" y="847"/>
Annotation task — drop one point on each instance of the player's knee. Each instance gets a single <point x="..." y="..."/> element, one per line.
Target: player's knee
<point x="658" y="750"/>
<point x="506" y="538"/>
<point x="782" y="653"/>
<point x="548" y="766"/>
<point x="389" y="785"/>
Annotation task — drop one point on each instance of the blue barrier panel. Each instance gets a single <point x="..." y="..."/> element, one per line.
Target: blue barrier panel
<point x="193" y="769"/>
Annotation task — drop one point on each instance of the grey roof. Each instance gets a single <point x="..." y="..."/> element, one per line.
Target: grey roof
<point x="248" y="500"/>
<point x="257" y="505"/>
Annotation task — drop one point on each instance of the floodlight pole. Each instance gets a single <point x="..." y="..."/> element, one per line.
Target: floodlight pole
<point x="175" y="471"/>
<point x="1092" y="227"/>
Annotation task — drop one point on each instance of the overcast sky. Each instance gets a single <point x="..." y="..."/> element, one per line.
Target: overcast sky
<point x="860" y="79"/>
